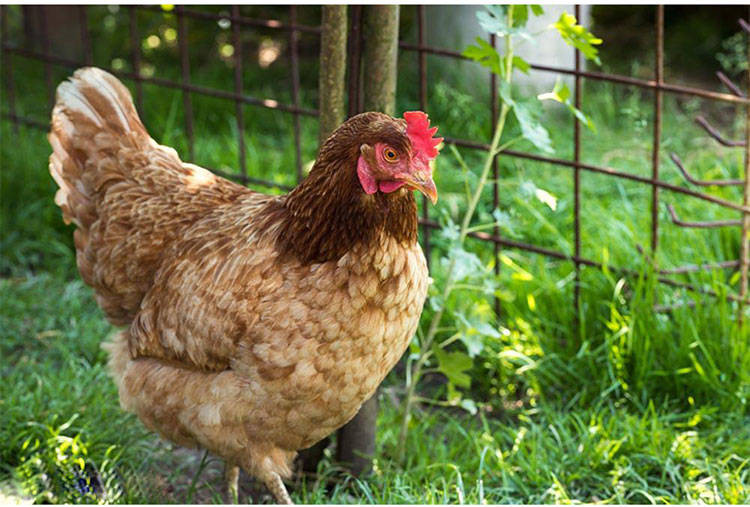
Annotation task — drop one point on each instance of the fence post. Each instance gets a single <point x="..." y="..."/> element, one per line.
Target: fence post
<point x="356" y="440"/>
<point x="380" y="54"/>
<point x="331" y="82"/>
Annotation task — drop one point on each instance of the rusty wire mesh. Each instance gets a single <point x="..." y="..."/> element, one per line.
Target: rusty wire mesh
<point x="48" y="58"/>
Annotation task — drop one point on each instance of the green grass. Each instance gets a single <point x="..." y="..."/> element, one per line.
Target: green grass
<point x="615" y="404"/>
<point x="56" y="390"/>
<point x="55" y="387"/>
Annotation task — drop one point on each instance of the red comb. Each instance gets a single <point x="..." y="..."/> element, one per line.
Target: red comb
<point x="420" y="134"/>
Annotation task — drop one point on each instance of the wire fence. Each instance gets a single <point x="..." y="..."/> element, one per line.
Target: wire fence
<point x="48" y="57"/>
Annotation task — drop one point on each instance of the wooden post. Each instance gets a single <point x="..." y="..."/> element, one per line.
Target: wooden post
<point x="356" y="440"/>
<point x="331" y="82"/>
<point x="380" y="57"/>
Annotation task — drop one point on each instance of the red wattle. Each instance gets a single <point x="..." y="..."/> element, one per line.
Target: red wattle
<point x="390" y="186"/>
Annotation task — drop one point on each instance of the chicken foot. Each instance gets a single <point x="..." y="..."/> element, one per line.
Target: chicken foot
<point x="274" y="483"/>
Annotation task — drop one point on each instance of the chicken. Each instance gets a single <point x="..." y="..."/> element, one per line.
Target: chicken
<point x="254" y="325"/>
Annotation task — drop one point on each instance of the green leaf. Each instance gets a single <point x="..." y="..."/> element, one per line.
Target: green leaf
<point x="521" y="64"/>
<point x="493" y="20"/>
<point x="490" y="286"/>
<point x="520" y="14"/>
<point x="578" y="36"/>
<point x="473" y="332"/>
<point x="547" y="198"/>
<point x="487" y="330"/>
<point x="519" y="272"/>
<point x="450" y="231"/>
<point x="582" y="117"/>
<point x="561" y="93"/>
<point x="470" y="335"/>
<point x="485" y="55"/>
<point x="502" y="219"/>
<point x="531" y="129"/>
<point x="469" y="406"/>
<point x="537" y="9"/>
<point x="474" y="343"/>
<point x="467" y="264"/>
<point x="505" y="93"/>
<point x="453" y="365"/>
<point x="735" y="278"/>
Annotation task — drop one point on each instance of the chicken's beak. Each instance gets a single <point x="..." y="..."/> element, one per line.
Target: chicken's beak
<point x="422" y="181"/>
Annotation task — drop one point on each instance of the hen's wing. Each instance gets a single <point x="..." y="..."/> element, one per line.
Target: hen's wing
<point x="129" y="197"/>
<point x="205" y="296"/>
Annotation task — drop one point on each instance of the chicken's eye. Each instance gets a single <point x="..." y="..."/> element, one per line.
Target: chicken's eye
<point x="390" y="155"/>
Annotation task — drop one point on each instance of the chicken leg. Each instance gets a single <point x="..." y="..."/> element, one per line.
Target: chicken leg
<point x="274" y="483"/>
<point x="232" y="475"/>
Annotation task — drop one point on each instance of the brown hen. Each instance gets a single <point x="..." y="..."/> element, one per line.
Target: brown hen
<point x="255" y="325"/>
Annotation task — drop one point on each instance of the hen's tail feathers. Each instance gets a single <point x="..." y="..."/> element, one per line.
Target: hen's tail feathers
<point x="94" y="115"/>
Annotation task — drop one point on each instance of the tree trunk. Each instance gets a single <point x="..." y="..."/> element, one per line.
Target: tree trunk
<point x="356" y="440"/>
<point x="331" y="82"/>
<point x="380" y="57"/>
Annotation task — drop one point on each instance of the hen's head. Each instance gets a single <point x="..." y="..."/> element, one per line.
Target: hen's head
<point x="391" y="153"/>
<point x="359" y="187"/>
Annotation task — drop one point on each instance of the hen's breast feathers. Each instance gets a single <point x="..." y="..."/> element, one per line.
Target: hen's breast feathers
<point x="225" y="299"/>
<point x="311" y="341"/>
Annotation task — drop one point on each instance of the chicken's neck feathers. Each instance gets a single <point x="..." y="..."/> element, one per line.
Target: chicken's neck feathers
<point x="328" y="214"/>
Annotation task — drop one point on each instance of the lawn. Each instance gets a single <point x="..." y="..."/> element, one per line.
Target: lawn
<point x="58" y="405"/>
<point x="615" y="404"/>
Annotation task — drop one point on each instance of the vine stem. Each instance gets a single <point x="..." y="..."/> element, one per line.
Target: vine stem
<point x="426" y="346"/>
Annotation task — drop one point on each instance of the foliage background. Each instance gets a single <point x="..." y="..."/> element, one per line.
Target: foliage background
<point x="628" y="405"/>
